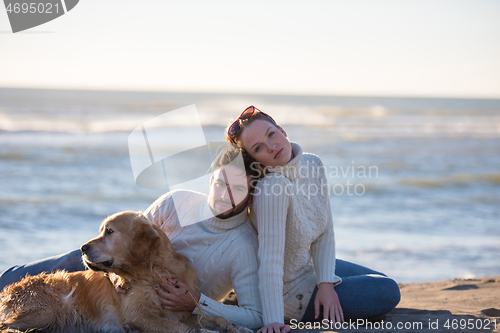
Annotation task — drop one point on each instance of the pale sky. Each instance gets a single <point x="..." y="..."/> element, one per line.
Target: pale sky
<point x="352" y="47"/>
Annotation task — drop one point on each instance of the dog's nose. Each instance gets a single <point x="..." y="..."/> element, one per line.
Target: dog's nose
<point x="84" y="248"/>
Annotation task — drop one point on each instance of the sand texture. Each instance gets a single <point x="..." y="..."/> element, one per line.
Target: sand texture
<point x="439" y="307"/>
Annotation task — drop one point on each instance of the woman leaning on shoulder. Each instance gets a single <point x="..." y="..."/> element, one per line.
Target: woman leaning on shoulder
<point x="291" y="213"/>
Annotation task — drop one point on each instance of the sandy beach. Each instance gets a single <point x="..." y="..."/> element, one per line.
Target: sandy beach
<point x="471" y="305"/>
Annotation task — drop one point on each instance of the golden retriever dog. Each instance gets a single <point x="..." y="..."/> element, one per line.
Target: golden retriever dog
<point x="140" y="254"/>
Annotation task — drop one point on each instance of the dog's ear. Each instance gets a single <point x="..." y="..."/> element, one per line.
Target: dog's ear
<point x="144" y="240"/>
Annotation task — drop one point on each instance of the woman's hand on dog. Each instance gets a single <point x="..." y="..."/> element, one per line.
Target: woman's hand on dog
<point x="175" y="295"/>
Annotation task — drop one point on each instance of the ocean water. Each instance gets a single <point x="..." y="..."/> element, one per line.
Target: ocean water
<point x="414" y="182"/>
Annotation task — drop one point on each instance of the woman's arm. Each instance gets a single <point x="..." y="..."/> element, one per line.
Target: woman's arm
<point x="271" y="213"/>
<point x="246" y="286"/>
<point x="245" y="283"/>
<point x="323" y="248"/>
<point x="323" y="254"/>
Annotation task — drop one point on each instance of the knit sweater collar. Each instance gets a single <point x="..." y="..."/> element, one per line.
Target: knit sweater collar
<point x="218" y="225"/>
<point x="289" y="170"/>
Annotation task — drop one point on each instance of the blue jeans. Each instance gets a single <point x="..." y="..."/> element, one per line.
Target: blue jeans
<point x="363" y="293"/>
<point x="71" y="262"/>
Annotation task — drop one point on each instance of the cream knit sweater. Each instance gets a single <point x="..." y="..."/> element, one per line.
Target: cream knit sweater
<point x="292" y="215"/>
<point x="222" y="251"/>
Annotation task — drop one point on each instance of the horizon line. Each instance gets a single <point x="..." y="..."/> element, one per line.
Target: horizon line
<point x="249" y="93"/>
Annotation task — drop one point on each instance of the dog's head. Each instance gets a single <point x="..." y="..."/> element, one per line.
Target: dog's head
<point x="126" y="242"/>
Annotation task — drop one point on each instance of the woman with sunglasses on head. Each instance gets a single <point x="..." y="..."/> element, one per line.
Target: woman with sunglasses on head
<point x="291" y="213"/>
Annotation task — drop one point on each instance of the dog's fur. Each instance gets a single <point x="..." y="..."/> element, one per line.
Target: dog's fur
<point x="140" y="254"/>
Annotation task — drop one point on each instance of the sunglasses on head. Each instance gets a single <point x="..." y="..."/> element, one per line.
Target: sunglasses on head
<point x="235" y="127"/>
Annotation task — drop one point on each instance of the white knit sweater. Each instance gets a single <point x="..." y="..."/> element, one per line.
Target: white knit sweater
<point x="291" y="212"/>
<point x="222" y="251"/>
